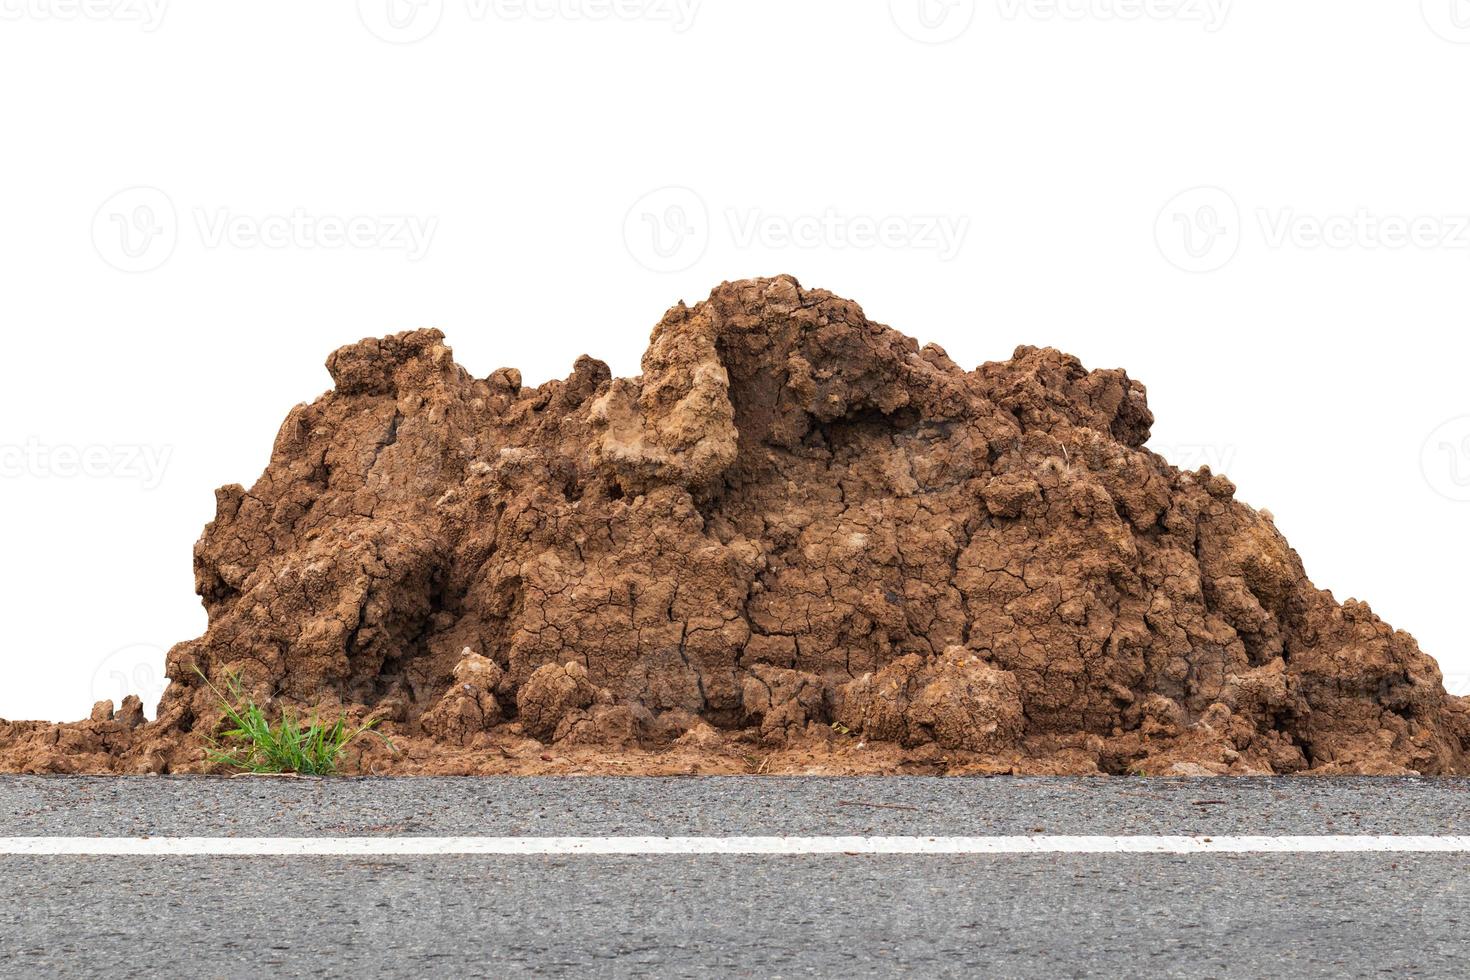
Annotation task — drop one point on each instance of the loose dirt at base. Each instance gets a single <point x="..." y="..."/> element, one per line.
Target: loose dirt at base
<point x="797" y="542"/>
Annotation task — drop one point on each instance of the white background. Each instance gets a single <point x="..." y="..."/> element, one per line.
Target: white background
<point x="178" y="181"/>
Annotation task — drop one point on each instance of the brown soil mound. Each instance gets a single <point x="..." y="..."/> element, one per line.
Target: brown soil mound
<point x="797" y="542"/>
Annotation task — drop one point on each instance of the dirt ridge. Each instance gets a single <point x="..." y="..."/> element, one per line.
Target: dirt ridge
<point x="798" y="541"/>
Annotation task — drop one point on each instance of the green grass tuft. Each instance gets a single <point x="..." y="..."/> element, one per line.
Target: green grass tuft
<point x="251" y="744"/>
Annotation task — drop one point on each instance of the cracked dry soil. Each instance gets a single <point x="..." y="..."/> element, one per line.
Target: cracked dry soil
<point x="797" y="542"/>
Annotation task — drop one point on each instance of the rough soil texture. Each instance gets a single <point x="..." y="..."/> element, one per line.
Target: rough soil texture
<point x="797" y="542"/>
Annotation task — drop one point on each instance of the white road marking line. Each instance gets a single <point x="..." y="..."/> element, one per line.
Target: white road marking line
<point x="594" y="846"/>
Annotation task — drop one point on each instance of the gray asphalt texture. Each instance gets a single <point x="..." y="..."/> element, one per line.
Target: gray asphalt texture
<point x="826" y="916"/>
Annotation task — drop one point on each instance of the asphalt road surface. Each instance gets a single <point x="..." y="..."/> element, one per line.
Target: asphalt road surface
<point x="1342" y="912"/>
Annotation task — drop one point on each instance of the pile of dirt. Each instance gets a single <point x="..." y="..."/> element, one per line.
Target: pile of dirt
<point x="797" y="542"/>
